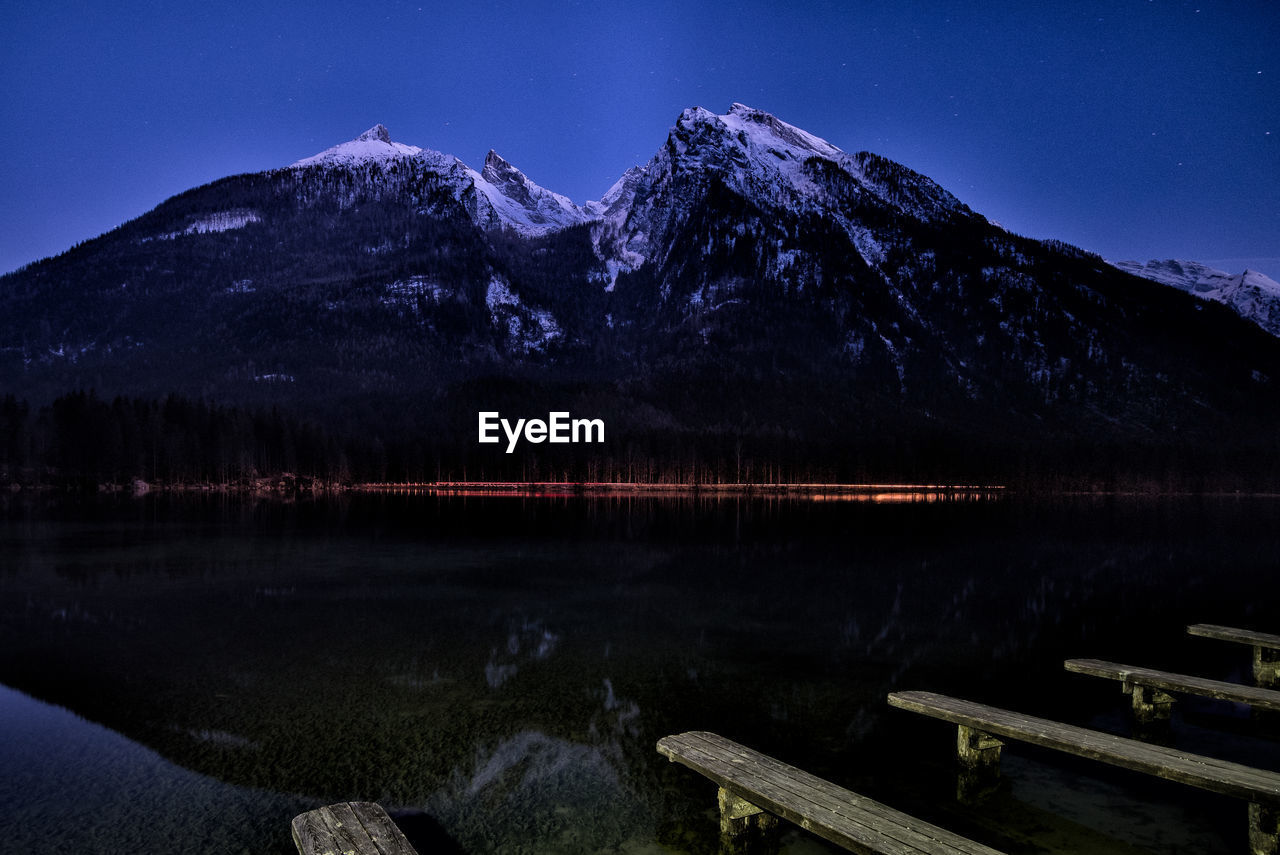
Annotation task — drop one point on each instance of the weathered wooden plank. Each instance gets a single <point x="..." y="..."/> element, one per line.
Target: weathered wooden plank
<point x="1207" y="773"/>
<point x="1259" y="698"/>
<point x="1266" y="649"/>
<point x="1241" y="636"/>
<point x="750" y="766"/>
<point x="349" y="828"/>
<point x="871" y="827"/>
<point x="823" y="813"/>
<point x="843" y="817"/>
<point x="770" y="790"/>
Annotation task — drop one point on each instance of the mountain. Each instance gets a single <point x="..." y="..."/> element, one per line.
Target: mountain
<point x="514" y="202"/>
<point x="499" y="197"/>
<point x="1251" y="294"/>
<point x="372" y="146"/>
<point x="751" y="302"/>
<point x="769" y="162"/>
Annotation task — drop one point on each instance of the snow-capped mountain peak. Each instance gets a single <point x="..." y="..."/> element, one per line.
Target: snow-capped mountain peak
<point x="503" y="196"/>
<point x="758" y="156"/>
<point x="766" y="129"/>
<point x="371" y="146"/>
<point x="750" y="146"/>
<point x="507" y="198"/>
<point x="378" y="132"/>
<point x="498" y="171"/>
<point x="775" y="166"/>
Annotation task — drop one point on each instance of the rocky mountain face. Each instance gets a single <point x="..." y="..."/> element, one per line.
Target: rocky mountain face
<point x="1251" y="294"/>
<point x="751" y="290"/>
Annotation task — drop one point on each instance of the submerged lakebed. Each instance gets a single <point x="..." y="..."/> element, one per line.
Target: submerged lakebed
<point x="184" y="674"/>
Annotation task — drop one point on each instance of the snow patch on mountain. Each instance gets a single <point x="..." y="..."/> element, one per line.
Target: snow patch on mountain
<point x="528" y="328"/>
<point x="1189" y="276"/>
<point x="766" y="130"/>
<point x="219" y="221"/>
<point x="616" y="266"/>
<point x="1251" y="294"/>
<point x="615" y="203"/>
<point x="498" y="294"/>
<point x="408" y="291"/>
<point x="871" y="250"/>
<point x="371" y="146"/>
<point x="223" y="221"/>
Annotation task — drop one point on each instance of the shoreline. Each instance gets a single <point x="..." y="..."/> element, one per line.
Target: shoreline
<point x="291" y="487"/>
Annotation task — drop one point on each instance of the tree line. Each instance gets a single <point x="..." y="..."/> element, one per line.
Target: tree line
<point x="82" y="441"/>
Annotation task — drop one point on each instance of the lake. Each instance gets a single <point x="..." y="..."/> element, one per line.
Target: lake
<point x="185" y="674"/>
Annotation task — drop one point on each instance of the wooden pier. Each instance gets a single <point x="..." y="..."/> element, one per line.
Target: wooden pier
<point x="1258" y="787"/>
<point x="1266" y="649"/>
<point x="1153" y="690"/>
<point x="349" y="828"/>
<point x="755" y="790"/>
<point x="1206" y="773"/>
<point x="755" y="787"/>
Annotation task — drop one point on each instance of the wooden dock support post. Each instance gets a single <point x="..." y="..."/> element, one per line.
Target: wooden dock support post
<point x="1264" y="829"/>
<point x="1150" y="706"/>
<point x="978" y="750"/>
<point x="979" y="755"/>
<point x="745" y="829"/>
<point x="1266" y="667"/>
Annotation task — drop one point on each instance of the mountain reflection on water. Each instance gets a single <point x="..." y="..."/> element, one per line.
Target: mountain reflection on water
<point x="505" y="665"/>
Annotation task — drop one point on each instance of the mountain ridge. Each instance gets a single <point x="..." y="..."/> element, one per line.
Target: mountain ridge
<point x="750" y="286"/>
<point x="1253" y="295"/>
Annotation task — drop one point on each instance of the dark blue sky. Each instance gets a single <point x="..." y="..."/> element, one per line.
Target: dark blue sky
<point x="1134" y="128"/>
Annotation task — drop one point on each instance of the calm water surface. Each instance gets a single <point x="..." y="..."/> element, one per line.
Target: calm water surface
<point x="185" y="676"/>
